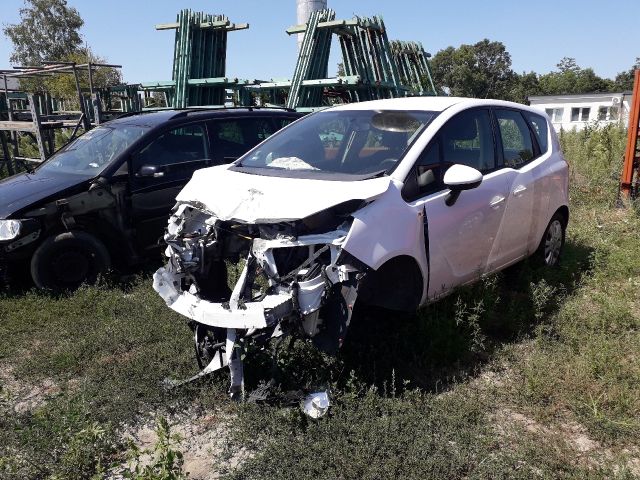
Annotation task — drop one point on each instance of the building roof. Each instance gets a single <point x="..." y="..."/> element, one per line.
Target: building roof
<point x="578" y="96"/>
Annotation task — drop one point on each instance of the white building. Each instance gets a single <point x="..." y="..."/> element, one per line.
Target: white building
<point x="573" y="112"/>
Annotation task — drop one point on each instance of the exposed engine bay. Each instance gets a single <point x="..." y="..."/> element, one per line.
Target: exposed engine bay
<point x="245" y="283"/>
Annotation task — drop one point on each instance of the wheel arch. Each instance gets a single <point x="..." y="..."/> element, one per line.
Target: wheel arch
<point x="396" y="285"/>
<point x="564" y="211"/>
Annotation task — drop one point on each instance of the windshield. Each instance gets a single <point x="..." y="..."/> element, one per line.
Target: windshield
<point x="91" y="152"/>
<point x="348" y="142"/>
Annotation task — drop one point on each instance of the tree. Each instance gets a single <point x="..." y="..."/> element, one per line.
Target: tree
<point x="64" y="86"/>
<point x="48" y="30"/>
<point x="572" y="79"/>
<point x="568" y="64"/>
<point x="624" y="80"/>
<point x="482" y="70"/>
<point x="523" y="86"/>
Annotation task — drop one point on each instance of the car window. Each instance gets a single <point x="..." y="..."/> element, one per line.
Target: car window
<point x="92" y="152"/>
<point x="283" y="122"/>
<point x="539" y="127"/>
<point x="429" y="170"/>
<point x="180" y="145"/>
<point x="517" y="146"/>
<point x="467" y="139"/>
<point x="232" y="138"/>
<point x="426" y="175"/>
<point x="342" y="142"/>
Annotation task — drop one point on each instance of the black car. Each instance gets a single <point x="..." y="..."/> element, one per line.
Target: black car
<point x="104" y="198"/>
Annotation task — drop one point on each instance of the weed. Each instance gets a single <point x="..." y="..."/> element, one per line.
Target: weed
<point x="166" y="460"/>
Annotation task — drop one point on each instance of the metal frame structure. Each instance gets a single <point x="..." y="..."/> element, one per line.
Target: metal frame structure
<point x="43" y="117"/>
<point x="374" y="67"/>
<point x="199" y="61"/>
<point x="631" y="169"/>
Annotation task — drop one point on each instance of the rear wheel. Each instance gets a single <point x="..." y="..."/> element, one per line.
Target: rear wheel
<point x="67" y="260"/>
<point x="550" y="247"/>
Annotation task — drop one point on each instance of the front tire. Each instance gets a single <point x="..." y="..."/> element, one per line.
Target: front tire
<point x="67" y="260"/>
<point x="550" y="248"/>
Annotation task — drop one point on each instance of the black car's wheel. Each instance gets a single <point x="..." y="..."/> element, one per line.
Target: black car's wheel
<point x="67" y="260"/>
<point x="550" y="247"/>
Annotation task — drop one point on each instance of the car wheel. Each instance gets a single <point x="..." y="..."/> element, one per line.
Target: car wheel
<point x="67" y="260"/>
<point x="550" y="247"/>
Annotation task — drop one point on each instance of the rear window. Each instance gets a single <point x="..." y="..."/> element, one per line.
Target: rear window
<point x="232" y="138"/>
<point x="517" y="144"/>
<point x="539" y="127"/>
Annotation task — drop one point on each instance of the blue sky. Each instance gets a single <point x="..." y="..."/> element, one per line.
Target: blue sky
<point x="601" y="35"/>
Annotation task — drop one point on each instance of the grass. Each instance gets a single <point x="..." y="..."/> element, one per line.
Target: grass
<point x="527" y="374"/>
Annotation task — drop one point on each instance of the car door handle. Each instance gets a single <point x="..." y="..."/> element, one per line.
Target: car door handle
<point x="496" y="201"/>
<point x="519" y="190"/>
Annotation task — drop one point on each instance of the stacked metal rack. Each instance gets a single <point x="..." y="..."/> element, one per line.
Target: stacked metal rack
<point x="413" y="66"/>
<point x="199" y="61"/>
<point x="374" y="67"/>
<point x="38" y="116"/>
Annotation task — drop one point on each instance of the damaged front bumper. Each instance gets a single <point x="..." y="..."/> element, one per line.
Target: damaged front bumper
<point x="289" y="284"/>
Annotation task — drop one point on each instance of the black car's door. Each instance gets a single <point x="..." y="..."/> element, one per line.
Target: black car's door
<point x="159" y="170"/>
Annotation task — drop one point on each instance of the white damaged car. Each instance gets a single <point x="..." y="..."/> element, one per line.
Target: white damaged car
<point x="392" y="202"/>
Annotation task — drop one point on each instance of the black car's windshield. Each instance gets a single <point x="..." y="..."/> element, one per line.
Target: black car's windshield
<point x="92" y="152"/>
<point x="347" y="142"/>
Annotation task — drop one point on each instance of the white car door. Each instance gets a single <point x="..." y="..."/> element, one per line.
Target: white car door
<point x="525" y="195"/>
<point x="461" y="239"/>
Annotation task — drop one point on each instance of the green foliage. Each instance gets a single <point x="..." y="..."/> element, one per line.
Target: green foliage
<point x="107" y="349"/>
<point x="595" y="156"/>
<point x="166" y="460"/>
<point x="48" y="30"/>
<point x="413" y="396"/>
<point x="411" y="436"/>
<point x="482" y="70"/>
<point x="624" y="80"/>
<point x="64" y="86"/>
<point x="571" y="79"/>
<point x="56" y="441"/>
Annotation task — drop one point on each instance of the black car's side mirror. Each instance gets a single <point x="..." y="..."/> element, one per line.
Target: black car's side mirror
<point x="153" y="171"/>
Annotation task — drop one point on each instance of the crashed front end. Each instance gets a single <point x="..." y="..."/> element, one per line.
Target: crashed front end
<point x="242" y="283"/>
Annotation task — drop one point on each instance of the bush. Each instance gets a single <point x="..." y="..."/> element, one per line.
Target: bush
<point x="595" y="157"/>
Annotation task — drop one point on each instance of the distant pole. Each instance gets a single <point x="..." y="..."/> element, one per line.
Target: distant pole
<point x="304" y="10"/>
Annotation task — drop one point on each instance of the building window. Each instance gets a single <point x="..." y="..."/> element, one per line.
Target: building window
<point x="602" y="113"/>
<point x="555" y="114"/>
<point x="614" y="113"/>
<point x="580" y="114"/>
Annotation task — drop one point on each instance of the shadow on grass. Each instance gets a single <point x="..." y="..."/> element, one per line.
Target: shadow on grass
<point x="452" y="338"/>
<point x="124" y="278"/>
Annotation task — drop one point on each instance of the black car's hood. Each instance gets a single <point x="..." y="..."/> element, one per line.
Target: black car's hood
<point x="26" y="190"/>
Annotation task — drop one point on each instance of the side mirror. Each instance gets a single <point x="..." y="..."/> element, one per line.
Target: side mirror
<point x="458" y="178"/>
<point x="151" y="171"/>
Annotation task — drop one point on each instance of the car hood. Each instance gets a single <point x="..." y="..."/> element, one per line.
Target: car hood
<point x="249" y="198"/>
<point x="24" y="190"/>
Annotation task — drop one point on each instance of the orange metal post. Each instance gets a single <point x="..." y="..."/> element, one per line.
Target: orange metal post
<point x="631" y="156"/>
